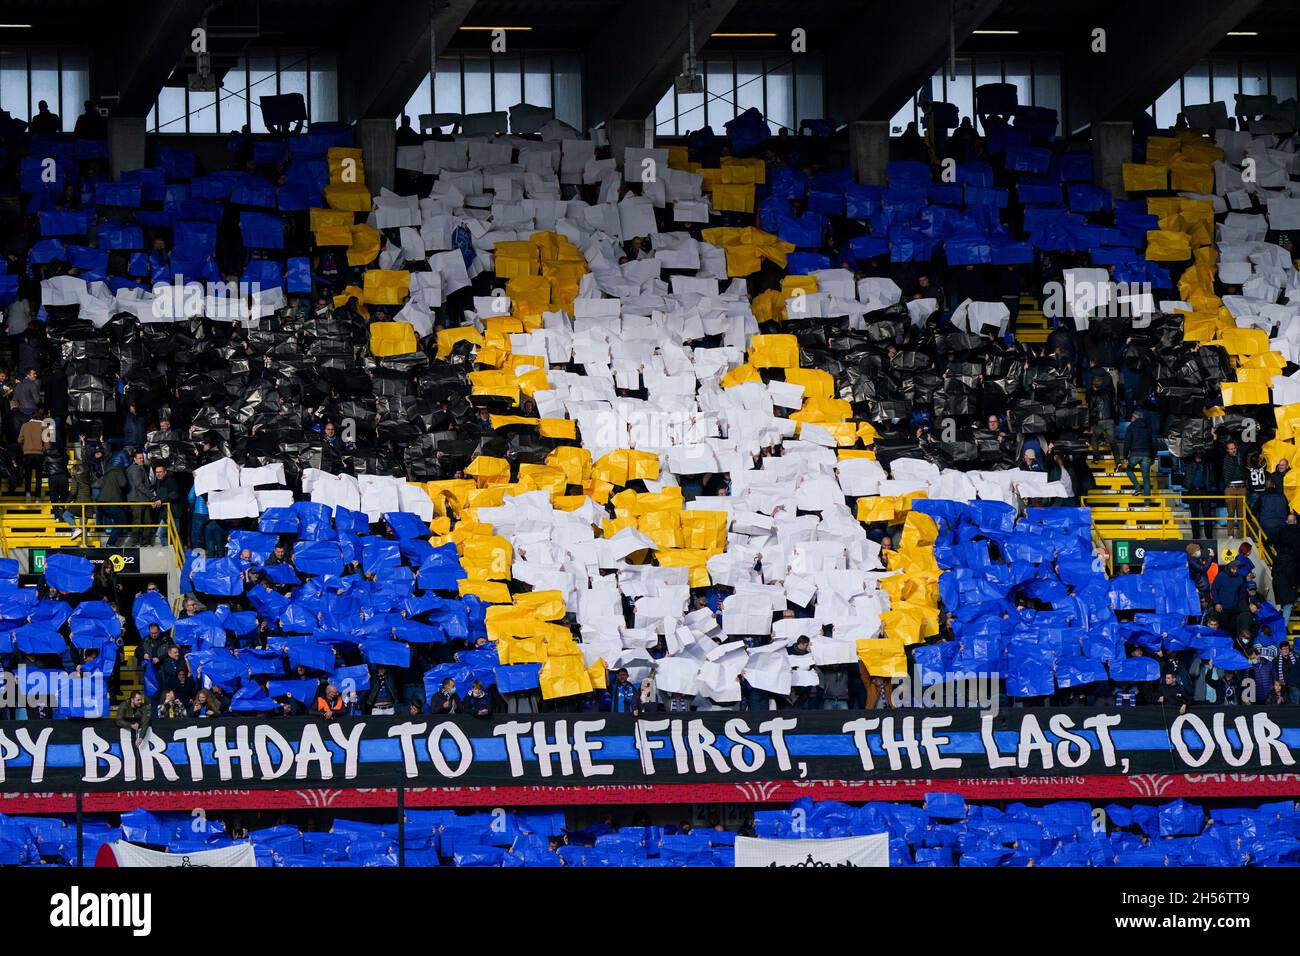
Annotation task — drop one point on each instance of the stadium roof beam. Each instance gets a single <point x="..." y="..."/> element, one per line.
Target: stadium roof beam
<point x="885" y="52"/>
<point x="388" y="55"/>
<point x="160" y="32"/>
<point x="633" y="60"/>
<point x="1146" y="50"/>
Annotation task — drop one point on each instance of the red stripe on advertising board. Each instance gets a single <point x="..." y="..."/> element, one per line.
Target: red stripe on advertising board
<point x="1133" y="787"/>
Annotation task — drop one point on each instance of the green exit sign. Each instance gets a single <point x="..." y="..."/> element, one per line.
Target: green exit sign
<point x="38" y="562"/>
<point x="1121" y="552"/>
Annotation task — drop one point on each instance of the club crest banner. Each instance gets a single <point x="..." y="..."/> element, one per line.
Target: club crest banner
<point x="843" y="851"/>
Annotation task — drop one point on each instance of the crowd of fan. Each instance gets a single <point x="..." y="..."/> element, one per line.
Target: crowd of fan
<point x="944" y="831"/>
<point x="301" y="387"/>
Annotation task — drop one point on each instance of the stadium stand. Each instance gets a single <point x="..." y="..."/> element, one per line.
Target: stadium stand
<point x="558" y="427"/>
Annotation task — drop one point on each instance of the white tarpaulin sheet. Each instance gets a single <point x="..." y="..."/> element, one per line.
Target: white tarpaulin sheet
<point x="128" y="854"/>
<point x="843" y="851"/>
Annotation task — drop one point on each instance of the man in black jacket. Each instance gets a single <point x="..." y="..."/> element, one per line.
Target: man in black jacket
<point x="1199" y="481"/>
<point x="1101" y="415"/>
<point x="134" y="715"/>
<point x="113" y="490"/>
<point x="1140" y="450"/>
<point x="166" y="492"/>
<point x="1234" y="487"/>
<point x="139" y="490"/>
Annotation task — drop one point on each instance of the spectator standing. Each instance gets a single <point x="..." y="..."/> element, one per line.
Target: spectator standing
<point x="1140" y="450"/>
<point x="1199" y="481"/>
<point x="1285" y="672"/>
<point x="1101" y="417"/>
<point x="1233" y="474"/>
<point x="383" y="696"/>
<point x="32" y="439"/>
<point x="139" y="490"/>
<point x="622" y="694"/>
<point x="166" y="493"/>
<point x="446" y="702"/>
<point x="28" y="393"/>
<point x="329" y="703"/>
<point x="133" y="714"/>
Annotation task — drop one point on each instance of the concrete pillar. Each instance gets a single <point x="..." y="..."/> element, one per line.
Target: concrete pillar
<point x="1112" y="147"/>
<point x="869" y="150"/>
<point x="378" y="141"/>
<point x="629" y="132"/>
<point x="125" y="143"/>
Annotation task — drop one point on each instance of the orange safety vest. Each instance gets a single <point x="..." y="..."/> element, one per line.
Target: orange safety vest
<point x="323" y="705"/>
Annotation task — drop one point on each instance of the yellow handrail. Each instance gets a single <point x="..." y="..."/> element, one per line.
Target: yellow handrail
<point x="1166" y="520"/>
<point x="84" y="530"/>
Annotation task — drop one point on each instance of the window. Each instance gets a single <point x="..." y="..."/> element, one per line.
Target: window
<point x="233" y="98"/>
<point x="312" y="73"/>
<point x="784" y="88"/>
<point x="1037" y="81"/>
<point x="171" y="110"/>
<point x="59" y="76"/>
<point x="476" y="83"/>
<point x="809" y="89"/>
<point x="960" y="91"/>
<point x="44" y="73"/>
<point x="74" y="77"/>
<point x="750" y="78"/>
<point x="323" y="99"/>
<point x="1221" y="79"/>
<point x="507" y="81"/>
<point x="720" y="90"/>
<point x="537" y="80"/>
<point x="1196" y="85"/>
<point x="780" y="97"/>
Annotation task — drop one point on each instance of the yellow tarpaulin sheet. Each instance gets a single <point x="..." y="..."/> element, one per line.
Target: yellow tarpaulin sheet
<point x="704" y="530"/>
<point x="883" y="656"/>
<point x="1277" y="450"/>
<point x="697" y="561"/>
<point x="876" y="508"/>
<point x="564" y="676"/>
<point x="757" y="169"/>
<point x="323" y="218"/>
<point x="1139" y="177"/>
<point x="774" y="351"/>
<point x="332" y="236"/>
<point x="1244" y="393"/>
<point x="486" y="557"/>
<point x="336" y="158"/>
<point x="1244" y="341"/>
<point x="1191" y="177"/>
<point x="485" y="466"/>
<point x="740" y="375"/>
<point x="493" y="592"/>
<point x="350" y="196"/>
<point x="392" y="338"/>
<point x="365" y="245"/>
<point x="626" y="464"/>
<point x="574" y="462"/>
<point x="561" y="428"/>
<point x="733" y="197"/>
<point x="447" y="338"/>
<point x="817" y="383"/>
<point x="386" y="286"/>
<point x="1166" y="246"/>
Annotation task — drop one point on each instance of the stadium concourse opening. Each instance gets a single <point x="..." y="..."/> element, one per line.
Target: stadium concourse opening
<point x="513" y="434"/>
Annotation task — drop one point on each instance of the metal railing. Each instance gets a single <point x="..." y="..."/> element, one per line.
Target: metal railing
<point x="88" y="524"/>
<point x="1180" y="522"/>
